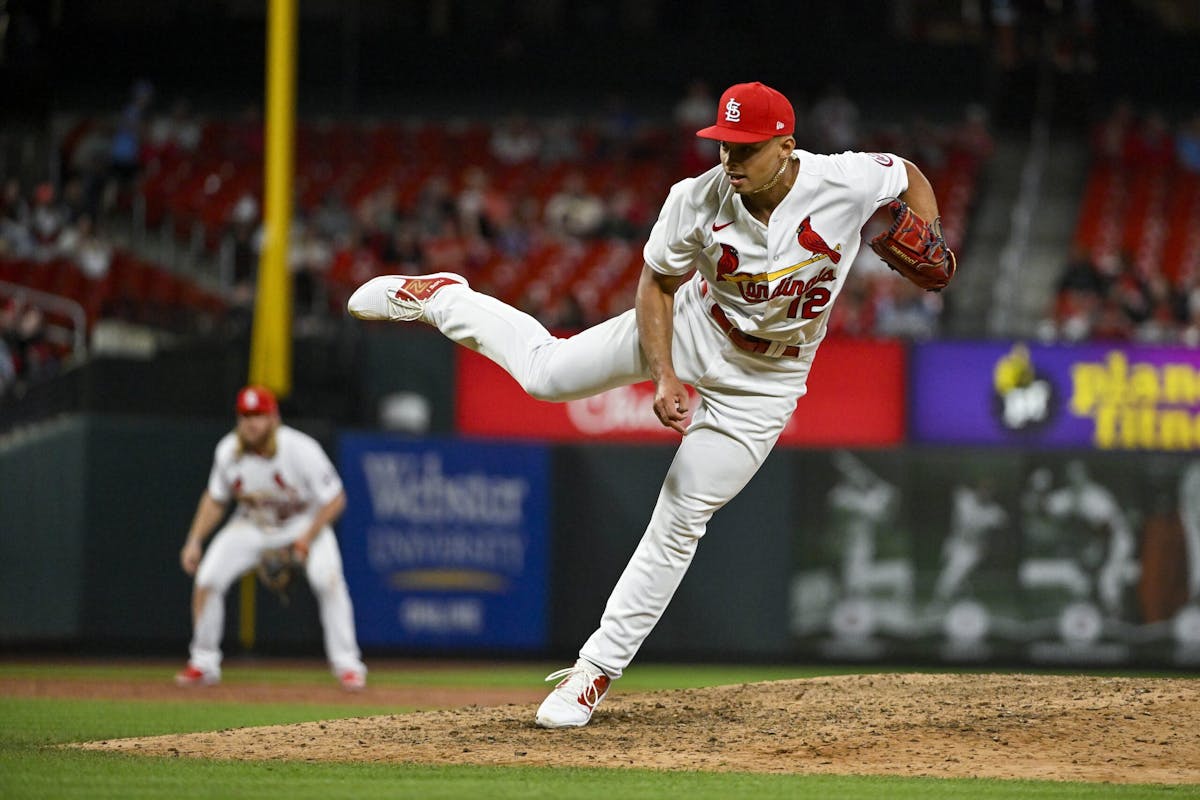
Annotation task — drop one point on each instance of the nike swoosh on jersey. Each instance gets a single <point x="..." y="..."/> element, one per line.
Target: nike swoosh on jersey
<point x="741" y="277"/>
<point x="717" y="227"/>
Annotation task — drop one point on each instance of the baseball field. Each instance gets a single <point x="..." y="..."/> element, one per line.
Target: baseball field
<point x="100" y="729"/>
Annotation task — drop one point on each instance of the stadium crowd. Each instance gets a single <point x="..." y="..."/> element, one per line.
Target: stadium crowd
<point x="1133" y="273"/>
<point x="548" y="213"/>
<point x="545" y="213"/>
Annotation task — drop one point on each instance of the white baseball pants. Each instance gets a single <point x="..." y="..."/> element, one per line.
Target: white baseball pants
<point x="745" y="401"/>
<point x="236" y="549"/>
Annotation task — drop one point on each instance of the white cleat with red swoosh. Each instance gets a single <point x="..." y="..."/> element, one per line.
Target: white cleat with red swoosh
<point x="576" y="696"/>
<point x="399" y="298"/>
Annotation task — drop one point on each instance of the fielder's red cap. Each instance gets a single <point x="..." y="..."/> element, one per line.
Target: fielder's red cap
<point x="256" y="400"/>
<point x="751" y="112"/>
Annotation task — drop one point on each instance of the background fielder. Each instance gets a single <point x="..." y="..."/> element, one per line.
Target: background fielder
<point x="288" y="494"/>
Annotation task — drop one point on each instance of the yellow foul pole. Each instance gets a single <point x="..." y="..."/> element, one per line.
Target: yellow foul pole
<point x="271" y="337"/>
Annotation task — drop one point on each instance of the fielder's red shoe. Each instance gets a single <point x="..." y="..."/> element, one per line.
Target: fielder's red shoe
<point x="399" y="298"/>
<point x="353" y="681"/>
<point x="192" y="676"/>
<point x="574" y="699"/>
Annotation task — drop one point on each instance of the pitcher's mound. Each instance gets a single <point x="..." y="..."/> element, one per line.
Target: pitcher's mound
<point x="1121" y="730"/>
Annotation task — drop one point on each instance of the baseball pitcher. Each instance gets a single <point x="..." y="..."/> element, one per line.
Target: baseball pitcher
<point x="741" y="271"/>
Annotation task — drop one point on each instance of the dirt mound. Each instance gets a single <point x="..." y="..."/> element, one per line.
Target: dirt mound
<point x="1120" y="730"/>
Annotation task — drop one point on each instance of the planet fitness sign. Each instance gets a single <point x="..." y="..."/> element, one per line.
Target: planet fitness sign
<point x="1108" y="398"/>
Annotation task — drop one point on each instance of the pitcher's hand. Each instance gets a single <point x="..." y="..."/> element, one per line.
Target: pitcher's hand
<point x="671" y="403"/>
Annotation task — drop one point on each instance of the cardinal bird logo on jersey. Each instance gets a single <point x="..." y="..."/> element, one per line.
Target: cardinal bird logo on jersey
<point x="812" y="241"/>
<point x="729" y="261"/>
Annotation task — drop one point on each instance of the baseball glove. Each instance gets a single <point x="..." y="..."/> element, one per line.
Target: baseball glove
<point x="275" y="570"/>
<point x="916" y="249"/>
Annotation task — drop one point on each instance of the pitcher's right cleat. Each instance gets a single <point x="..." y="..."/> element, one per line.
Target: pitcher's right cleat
<point x="574" y="699"/>
<point x="193" y="676"/>
<point x="399" y="298"/>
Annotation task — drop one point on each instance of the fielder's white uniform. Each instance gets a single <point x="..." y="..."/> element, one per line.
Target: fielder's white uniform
<point x="777" y="282"/>
<point x="277" y="499"/>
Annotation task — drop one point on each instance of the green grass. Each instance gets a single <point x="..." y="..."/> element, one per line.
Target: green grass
<point x="33" y="766"/>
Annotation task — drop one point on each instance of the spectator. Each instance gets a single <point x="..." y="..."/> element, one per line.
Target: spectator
<point x="573" y="210"/>
<point x="436" y="205"/>
<point x="88" y="160"/>
<point x="696" y="108"/>
<point x="1075" y="314"/>
<point x="1081" y="274"/>
<point x="907" y="312"/>
<point x="245" y="244"/>
<point x="86" y="249"/>
<point x="175" y="134"/>
<point x="559" y="143"/>
<point x="515" y="141"/>
<point x="332" y="219"/>
<point x="75" y="203"/>
<point x="15" y="238"/>
<point x="627" y="215"/>
<point x="834" y="121"/>
<point x="482" y="210"/>
<point x="35" y="358"/>
<point x="404" y="253"/>
<point x="1111" y="323"/>
<point x="309" y="260"/>
<point x="125" y="150"/>
<point x="46" y="221"/>
<point x="1187" y="145"/>
<point x="518" y="235"/>
<point x="1130" y="292"/>
<point x="694" y="111"/>
<point x="352" y="263"/>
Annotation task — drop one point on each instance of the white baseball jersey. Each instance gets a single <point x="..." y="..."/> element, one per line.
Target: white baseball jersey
<point x="277" y="499"/>
<point x="776" y="282"/>
<point x="285" y="490"/>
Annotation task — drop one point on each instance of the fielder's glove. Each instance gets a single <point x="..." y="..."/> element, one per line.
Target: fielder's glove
<point x="916" y="249"/>
<point x="275" y="570"/>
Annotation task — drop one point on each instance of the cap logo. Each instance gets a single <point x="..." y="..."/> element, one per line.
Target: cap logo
<point x="778" y="126"/>
<point x="251" y="399"/>
<point x="733" y="111"/>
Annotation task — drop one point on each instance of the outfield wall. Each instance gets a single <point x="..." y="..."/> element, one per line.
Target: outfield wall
<point x="1043" y="506"/>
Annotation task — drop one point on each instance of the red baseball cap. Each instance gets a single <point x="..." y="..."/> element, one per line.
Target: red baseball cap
<point x="256" y="400"/>
<point x="751" y="112"/>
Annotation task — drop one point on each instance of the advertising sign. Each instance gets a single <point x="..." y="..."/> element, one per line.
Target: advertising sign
<point x="1045" y="558"/>
<point x="855" y="399"/>
<point x="1123" y="397"/>
<point x="445" y="542"/>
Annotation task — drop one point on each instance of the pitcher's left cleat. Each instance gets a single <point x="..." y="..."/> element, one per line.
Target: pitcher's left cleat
<point x="574" y="699"/>
<point x="399" y="298"/>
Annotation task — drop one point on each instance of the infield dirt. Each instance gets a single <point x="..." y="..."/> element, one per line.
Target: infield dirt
<point x="1120" y="730"/>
